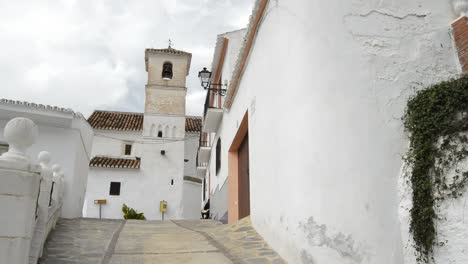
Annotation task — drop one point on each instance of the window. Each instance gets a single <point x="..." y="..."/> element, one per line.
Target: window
<point x="128" y="149"/>
<point x="172" y="182"/>
<point x="167" y="71"/>
<point x="114" y="188"/>
<point x="3" y="148"/>
<point x="160" y="134"/>
<point x="218" y="156"/>
<point x="204" y="190"/>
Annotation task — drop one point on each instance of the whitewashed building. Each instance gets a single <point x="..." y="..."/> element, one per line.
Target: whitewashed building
<point x="309" y="139"/>
<point x="64" y="133"/>
<point x="141" y="159"/>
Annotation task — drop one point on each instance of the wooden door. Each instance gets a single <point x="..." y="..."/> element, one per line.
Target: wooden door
<point x="244" y="181"/>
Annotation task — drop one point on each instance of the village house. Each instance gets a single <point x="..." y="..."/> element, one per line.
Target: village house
<point x="143" y="159"/>
<point x="308" y="140"/>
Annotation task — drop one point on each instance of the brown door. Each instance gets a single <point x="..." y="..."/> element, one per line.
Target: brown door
<point x="244" y="183"/>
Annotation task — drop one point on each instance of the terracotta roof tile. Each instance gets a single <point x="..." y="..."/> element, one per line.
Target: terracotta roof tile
<point x="118" y="163"/>
<point x="193" y="124"/>
<point x="125" y="121"/>
<point x="122" y="121"/>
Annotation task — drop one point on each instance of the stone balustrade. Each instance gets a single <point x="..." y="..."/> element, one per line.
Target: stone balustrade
<point x="30" y="195"/>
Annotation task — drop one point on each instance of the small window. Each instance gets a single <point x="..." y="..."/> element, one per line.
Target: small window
<point x="128" y="149"/>
<point x="114" y="188"/>
<point x="167" y="71"/>
<point x="218" y="156"/>
<point x="172" y="182"/>
<point x="3" y="148"/>
<point x="160" y="134"/>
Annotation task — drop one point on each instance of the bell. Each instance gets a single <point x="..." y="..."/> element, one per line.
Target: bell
<point x="167" y="71"/>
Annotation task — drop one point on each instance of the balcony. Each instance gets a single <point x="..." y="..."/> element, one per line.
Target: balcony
<point x="204" y="152"/>
<point x="212" y="119"/>
<point x="213" y="113"/>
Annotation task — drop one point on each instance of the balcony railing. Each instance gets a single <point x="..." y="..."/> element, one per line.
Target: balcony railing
<point x="204" y="143"/>
<point x="214" y="97"/>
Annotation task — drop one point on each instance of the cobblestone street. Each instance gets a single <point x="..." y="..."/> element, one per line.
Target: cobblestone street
<point x="93" y="241"/>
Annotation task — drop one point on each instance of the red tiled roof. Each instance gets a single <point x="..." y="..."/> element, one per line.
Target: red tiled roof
<point x="125" y="121"/>
<point x="193" y="124"/>
<point x="118" y="163"/>
<point x="111" y="120"/>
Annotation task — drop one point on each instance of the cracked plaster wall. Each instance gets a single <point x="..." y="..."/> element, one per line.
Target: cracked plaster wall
<point x="336" y="75"/>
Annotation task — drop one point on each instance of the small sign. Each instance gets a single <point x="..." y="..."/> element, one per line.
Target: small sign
<point x="163" y="206"/>
<point x="100" y="201"/>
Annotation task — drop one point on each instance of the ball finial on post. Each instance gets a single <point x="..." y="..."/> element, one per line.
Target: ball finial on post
<point x="20" y="133"/>
<point x="44" y="158"/>
<point x="56" y="168"/>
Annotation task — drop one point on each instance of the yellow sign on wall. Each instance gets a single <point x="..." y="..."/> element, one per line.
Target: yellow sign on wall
<point x="163" y="206"/>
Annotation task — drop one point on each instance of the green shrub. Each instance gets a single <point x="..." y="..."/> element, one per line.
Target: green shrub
<point x="130" y="213"/>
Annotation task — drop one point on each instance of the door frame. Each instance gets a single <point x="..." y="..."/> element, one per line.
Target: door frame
<point x="233" y="162"/>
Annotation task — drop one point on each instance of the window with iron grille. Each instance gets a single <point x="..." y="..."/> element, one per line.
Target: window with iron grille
<point x="114" y="188"/>
<point x="218" y="156"/>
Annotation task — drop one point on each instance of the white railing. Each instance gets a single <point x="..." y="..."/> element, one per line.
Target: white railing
<point x="31" y="195"/>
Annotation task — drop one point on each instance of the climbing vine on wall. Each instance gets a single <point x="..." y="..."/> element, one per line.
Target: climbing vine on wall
<point x="437" y="121"/>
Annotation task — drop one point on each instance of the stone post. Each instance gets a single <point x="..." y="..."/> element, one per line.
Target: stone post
<point x="19" y="188"/>
<point x="58" y="178"/>
<point x="40" y="231"/>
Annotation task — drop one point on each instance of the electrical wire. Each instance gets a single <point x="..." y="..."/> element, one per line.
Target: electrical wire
<point x="161" y="141"/>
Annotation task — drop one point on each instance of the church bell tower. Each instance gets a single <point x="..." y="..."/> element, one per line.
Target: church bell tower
<point x="165" y="92"/>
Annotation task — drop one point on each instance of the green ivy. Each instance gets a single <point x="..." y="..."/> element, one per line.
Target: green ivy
<point x="437" y="121"/>
<point x="130" y="213"/>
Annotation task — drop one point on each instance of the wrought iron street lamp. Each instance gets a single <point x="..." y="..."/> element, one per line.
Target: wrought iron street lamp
<point x="205" y="79"/>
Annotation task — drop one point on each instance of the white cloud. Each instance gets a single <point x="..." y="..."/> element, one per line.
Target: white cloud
<point x="89" y="54"/>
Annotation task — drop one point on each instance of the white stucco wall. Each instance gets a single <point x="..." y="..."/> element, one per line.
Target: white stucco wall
<point x="191" y="200"/>
<point x="69" y="139"/>
<point x="190" y="149"/>
<point x="326" y="84"/>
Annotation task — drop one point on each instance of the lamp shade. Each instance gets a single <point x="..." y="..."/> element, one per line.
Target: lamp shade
<point x="205" y="76"/>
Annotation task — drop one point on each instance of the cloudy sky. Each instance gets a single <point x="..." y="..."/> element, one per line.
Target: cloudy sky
<point x="89" y="54"/>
